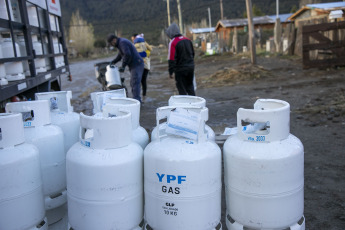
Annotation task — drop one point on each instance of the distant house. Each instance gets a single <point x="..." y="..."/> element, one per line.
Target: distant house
<point x="201" y="32"/>
<point x="201" y="36"/>
<point x="225" y="27"/>
<point x="318" y="11"/>
<point x="312" y="14"/>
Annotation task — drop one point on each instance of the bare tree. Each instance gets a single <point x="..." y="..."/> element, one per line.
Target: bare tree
<point x="81" y="34"/>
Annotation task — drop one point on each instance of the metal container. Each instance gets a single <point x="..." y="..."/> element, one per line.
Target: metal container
<point x="21" y="194"/>
<point x="112" y="76"/>
<point x="49" y="140"/>
<point x="105" y="175"/>
<point x="62" y="115"/>
<point x="182" y="179"/>
<point x="139" y="134"/>
<point x="264" y="170"/>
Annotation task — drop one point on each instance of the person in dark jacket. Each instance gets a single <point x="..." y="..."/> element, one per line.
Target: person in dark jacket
<point x="181" y="60"/>
<point x="131" y="58"/>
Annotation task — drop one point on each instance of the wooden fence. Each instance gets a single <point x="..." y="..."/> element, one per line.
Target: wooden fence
<point x="323" y="45"/>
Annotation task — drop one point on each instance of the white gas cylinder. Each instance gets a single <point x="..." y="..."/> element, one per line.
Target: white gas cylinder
<point x="3" y="80"/>
<point x="49" y="140"/>
<point x="59" y="61"/>
<point x="186" y="100"/>
<point x="32" y="14"/>
<point x="14" y="70"/>
<point x="264" y="170"/>
<point x="22" y="47"/>
<point x="112" y="76"/>
<point x="21" y="194"/>
<point x="139" y="134"/>
<point x="99" y="98"/>
<point x="62" y="115"/>
<point x="105" y="175"/>
<point x="14" y="10"/>
<point x="40" y="63"/>
<point x="56" y="45"/>
<point x="37" y="45"/>
<point x="52" y="22"/>
<point x="182" y="177"/>
<point x="3" y="10"/>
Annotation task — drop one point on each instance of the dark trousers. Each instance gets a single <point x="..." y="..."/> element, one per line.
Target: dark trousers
<point x="143" y="81"/>
<point x="136" y="74"/>
<point x="184" y="82"/>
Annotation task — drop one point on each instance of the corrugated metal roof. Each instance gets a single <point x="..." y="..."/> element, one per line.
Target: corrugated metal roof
<point x="282" y="17"/>
<point x="256" y="20"/>
<point x="327" y="6"/>
<point x="202" y="30"/>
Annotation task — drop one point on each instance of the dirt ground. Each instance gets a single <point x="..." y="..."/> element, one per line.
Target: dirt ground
<point x="228" y="82"/>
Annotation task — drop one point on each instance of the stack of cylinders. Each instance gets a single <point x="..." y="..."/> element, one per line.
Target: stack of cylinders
<point x="185" y="101"/>
<point x="21" y="194"/>
<point x="183" y="180"/>
<point x="49" y="140"/>
<point x="3" y="80"/>
<point x="62" y="115"/>
<point x="139" y="134"/>
<point x="105" y="175"/>
<point x="264" y="170"/>
<point x="14" y="70"/>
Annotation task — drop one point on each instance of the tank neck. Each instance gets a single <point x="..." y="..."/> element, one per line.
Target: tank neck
<point x="98" y="98"/>
<point x="35" y="113"/>
<point x="187" y="100"/>
<point x="128" y="104"/>
<point x="11" y="130"/>
<point x="114" y="131"/>
<point x="58" y="100"/>
<point x="165" y="113"/>
<point x="269" y="121"/>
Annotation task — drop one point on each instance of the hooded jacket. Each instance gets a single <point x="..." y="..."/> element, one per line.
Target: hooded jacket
<point x="181" y="52"/>
<point x="143" y="48"/>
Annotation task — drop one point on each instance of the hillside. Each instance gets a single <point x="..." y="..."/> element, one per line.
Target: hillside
<point x="150" y="17"/>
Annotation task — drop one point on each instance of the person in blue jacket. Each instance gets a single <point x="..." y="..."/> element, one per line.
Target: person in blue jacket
<point x="131" y="58"/>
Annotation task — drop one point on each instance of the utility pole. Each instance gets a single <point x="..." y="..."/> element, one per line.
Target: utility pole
<point x="277" y="30"/>
<point x="209" y="17"/>
<point x="251" y="31"/>
<point x="221" y="10"/>
<point x="168" y="9"/>
<point x="179" y="15"/>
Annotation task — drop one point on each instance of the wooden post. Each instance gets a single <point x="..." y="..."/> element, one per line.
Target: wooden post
<point x="168" y="9"/>
<point x="251" y="31"/>
<point x="221" y="9"/>
<point x="179" y="15"/>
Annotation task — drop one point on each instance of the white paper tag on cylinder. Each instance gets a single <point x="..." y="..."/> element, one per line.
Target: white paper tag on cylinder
<point x="182" y="122"/>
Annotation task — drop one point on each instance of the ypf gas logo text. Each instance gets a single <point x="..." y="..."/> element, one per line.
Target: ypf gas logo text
<point x="171" y="179"/>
